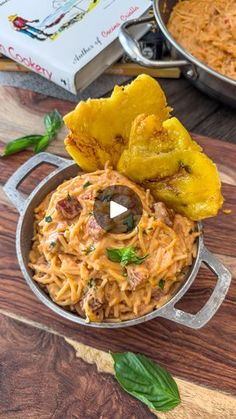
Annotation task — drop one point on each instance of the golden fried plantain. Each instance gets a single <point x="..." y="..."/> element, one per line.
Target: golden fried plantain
<point x="131" y="129"/>
<point x="100" y="128"/>
<point x="194" y="190"/>
<point x="163" y="157"/>
<point x="151" y="141"/>
<point x="151" y="133"/>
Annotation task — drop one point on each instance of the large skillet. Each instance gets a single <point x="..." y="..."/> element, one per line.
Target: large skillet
<point x="65" y="170"/>
<point x="205" y="78"/>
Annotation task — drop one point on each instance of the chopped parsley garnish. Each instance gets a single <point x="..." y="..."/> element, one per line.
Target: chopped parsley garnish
<point x="129" y="221"/>
<point x="52" y="244"/>
<point x="125" y="256"/>
<point x="48" y="219"/>
<point x="86" y="184"/>
<point x="106" y="198"/>
<point x="150" y="228"/>
<point x="91" y="282"/>
<point x="89" y="249"/>
<point x="69" y="197"/>
<point x="162" y="283"/>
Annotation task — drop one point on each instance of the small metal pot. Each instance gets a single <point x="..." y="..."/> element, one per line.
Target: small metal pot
<point x="205" y="78"/>
<point x="65" y="170"/>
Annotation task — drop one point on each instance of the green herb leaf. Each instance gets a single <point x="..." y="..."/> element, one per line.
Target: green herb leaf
<point x="129" y="221"/>
<point x="52" y="244"/>
<point x="53" y="122"/>
<point x="106" y="198"/>
<point x="86" y="184"/>
<point x="162" y="283"/>
<point x="146" y="380"/>
<point x="48" y="219"/>
<point x="89" y="249"/>
<point x="91" y="283"/>
<point x="21" y="144"/>
<point x="42" y="144"/>
<point x="125" y="256"/>
<point x="69" y="196"/>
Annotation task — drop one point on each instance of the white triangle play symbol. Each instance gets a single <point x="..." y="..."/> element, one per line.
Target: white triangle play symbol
<point x="116" y="209"/>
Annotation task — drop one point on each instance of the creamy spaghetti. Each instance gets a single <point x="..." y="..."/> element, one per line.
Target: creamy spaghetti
<point x="70" y="259"/>
<point x="207" y="29"/>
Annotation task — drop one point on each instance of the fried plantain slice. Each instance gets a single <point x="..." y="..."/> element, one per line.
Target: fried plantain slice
<point x="151" y="133"/>
<point x="194" y="190"/>
<point x="150" y="142"/>
<point x="100" y="128"/>
<point x="163" y="157"/>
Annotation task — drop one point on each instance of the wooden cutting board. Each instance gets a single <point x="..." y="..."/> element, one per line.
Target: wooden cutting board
<point x="204" y="361"/>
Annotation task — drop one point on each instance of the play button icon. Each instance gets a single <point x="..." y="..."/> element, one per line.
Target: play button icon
<point x="117" y="209"/>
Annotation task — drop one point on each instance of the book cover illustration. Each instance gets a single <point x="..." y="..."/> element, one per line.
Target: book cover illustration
<point x="65" y="13"/>
<point x="58" y="38"/>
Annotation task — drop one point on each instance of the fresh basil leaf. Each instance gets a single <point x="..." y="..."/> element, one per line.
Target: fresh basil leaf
<point x="115" y="255"/>
<point x="124" y="256"/>
<point x="146" y="380"/>
<point x="42" y="144"/>
<point x="162" y="283"/>
<point x="20" y="144"/>
<point x="53" y="122"/>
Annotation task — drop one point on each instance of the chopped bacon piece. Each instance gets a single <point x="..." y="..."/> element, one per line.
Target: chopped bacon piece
<point x="94" y="229"/>
<point x="136" y="275"/>
<point x="156" y="294"/>
<point x="162" y="213"/>
<point x="91" y="304"/>
<point x="69" y="207"/>
<point x="88" y="195"/>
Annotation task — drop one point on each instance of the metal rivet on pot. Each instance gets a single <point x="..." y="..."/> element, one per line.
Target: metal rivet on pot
<point x="190" y="73"/>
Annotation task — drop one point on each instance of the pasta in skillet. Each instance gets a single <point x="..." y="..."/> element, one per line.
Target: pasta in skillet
<point x="70" y="255"/>
<point x="207" y="29"/>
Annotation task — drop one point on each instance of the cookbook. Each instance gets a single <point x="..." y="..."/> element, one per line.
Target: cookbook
<point x="69" y="42"/>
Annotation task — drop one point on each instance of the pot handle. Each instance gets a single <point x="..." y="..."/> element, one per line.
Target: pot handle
<point x="196" y="321"/>
<point x="10" y="188"/>
<point x="133" y="49"/>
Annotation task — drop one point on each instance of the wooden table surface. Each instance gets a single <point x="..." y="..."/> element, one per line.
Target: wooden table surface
<point x="50" y="368"/>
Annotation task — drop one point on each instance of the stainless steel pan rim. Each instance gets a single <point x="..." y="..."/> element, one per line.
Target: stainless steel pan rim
<point x="65" y="170"/>
<point x="206" y="79"/>
<point x="182" y="51"/>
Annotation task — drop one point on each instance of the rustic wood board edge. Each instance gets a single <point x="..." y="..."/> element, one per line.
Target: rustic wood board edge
<point x="196" y="400"/>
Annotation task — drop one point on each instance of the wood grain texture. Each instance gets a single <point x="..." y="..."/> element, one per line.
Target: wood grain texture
<point x="41" y="377"/>
<point x="206" y="356"/>
<point x="79" y="384"/>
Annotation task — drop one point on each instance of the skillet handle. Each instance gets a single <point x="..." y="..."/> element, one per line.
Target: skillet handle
<point x="10" y="188"/>
<point x="132" y="47"/>
<point x="196" y="321"/>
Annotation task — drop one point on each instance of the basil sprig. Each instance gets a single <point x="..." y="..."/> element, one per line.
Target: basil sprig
<point x="124" y="256"/>
<point x="52" y="121"/>
<point x="146" y="380"/>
